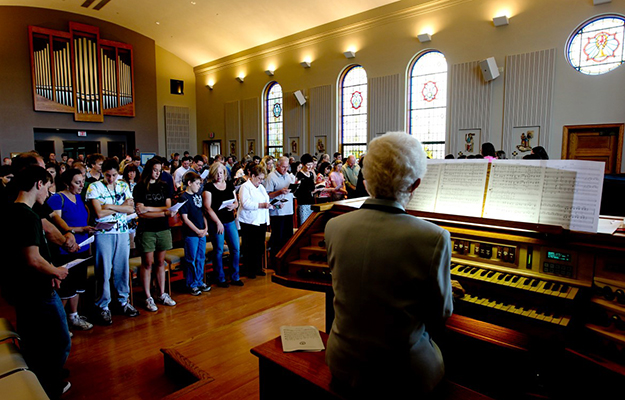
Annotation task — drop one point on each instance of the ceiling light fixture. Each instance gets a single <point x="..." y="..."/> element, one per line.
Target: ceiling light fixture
<point x="501" y="20"/>
<point x="424" y="37"/>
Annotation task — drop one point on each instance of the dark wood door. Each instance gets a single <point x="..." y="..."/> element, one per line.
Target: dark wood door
<point x="602" y="142"/>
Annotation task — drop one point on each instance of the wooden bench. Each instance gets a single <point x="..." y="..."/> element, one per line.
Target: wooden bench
<point x="16" y="381"/>
<point x="305" y="375"/>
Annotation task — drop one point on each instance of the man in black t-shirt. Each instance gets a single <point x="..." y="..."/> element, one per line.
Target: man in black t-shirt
<point x="29" y="280"/>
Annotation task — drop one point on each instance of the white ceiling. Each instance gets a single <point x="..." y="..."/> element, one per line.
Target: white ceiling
<point x="200" y="31"/>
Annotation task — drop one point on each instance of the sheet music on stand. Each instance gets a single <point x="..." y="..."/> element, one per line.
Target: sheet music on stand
<point x="566" y="193"/>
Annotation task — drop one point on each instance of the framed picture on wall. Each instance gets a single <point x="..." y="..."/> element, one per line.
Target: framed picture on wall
<point x="251" y="146"/>
<point x="469" y="142"/>
<point x="320" y="145"/>
<point x="294" y="146"/>
<point x="233" y="147"/>
<point x="523" y="139"/>
<point x="145" y="157"/>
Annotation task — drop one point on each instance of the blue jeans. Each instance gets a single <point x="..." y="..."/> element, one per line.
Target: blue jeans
<point x="45" y="342"/>
<point x="194" y="258"/>
<point x="112" y="252"/>
<point x="231" y="236"/>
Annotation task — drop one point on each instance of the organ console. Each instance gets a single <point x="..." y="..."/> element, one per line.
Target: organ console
<point x="555" y="296"/>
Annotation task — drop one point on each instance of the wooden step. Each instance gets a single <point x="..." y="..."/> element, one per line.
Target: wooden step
<point x="316" y="238"/>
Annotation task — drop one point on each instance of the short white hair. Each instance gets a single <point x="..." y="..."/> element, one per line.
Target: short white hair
<point x="392" y="165"/>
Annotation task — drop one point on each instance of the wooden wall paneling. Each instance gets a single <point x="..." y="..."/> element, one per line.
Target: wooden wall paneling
<point x="177" y="129"/>
<point x="294" y="124"/>
<point x="250" y="124"/>
<point x="528" y="97"/>
<point x="321" y="106"/>
<point x="233" y="127"/>
<point x="469" y="105"/>
<point x="385" y="106"/>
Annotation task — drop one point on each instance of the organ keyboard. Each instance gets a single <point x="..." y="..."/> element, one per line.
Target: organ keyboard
<point x="555" y="286"/>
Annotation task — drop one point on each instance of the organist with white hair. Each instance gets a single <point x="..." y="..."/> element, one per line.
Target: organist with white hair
<point x="391" y="280"/>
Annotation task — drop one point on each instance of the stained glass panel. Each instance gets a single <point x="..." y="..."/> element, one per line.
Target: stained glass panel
<point x="274" y="120"/>
<point x="428" y="102"/>
<point x="597" y="46"/>
<point x="354" y="111"/>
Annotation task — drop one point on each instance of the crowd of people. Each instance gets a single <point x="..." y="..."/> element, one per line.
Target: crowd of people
<point x="58" y="207"/>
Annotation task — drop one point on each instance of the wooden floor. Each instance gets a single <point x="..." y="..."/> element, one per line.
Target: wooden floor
<point x="215" y="331"/>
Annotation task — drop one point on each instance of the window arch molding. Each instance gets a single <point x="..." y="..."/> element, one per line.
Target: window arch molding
<point x="273" y="119"/>
<point x="353" y="110"/>
<point x="597" y="45"/>
<point x="426" y="100"/>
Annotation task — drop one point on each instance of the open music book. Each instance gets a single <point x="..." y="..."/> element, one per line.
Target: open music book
<point x="553" y="192"/>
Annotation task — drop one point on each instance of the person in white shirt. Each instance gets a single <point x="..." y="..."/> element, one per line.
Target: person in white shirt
<point x="180" y="171"/>
<point x="253" y="216"/>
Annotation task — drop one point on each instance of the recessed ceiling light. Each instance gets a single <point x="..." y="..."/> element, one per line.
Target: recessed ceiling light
<point x="158" y="23"/>
<point x="193" y="2"/>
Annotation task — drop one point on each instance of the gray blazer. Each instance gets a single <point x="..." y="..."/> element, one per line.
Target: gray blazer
<point x="390" y="275"/>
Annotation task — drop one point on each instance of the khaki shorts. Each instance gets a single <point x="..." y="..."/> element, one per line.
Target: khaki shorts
<point x="150" y="242"/>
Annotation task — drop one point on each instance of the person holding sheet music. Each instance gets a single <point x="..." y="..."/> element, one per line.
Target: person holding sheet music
<point x="281" y="216"/>
<point x="112" y="202"/>
<point x="152" y="198"/>
<point x="68" y="205"/>
<point x="28" y="282"/>
<point x="306" y="189"/>
<point x="219" y="201"/>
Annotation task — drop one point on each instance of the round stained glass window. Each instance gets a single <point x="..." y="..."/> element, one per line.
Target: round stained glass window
<point x="596" y="46"/>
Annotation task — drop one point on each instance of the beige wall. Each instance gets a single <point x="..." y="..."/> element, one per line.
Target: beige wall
<point x="17" y="117"/>
<point x="385" y="41"/>
<point x="168" y="66"/>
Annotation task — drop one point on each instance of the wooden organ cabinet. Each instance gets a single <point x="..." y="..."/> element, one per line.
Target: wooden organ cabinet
<point x="543" y="315"/>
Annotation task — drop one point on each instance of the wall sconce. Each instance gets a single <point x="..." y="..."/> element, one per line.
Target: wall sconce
<point x="240" y="79"/>
<point x="598" y="2"/>
<point x="210" y="86"/>
<point x="269" y="72"/>
<point x="305" y="64"/>
<point x="350" y="54"/>
<point x="424" y="37"/>
<point x="501" y="20"/>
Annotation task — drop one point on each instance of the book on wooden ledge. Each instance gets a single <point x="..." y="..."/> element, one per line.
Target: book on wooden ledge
<point x="300" y="338"/>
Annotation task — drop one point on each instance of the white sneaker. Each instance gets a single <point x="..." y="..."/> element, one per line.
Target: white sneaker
<point x="79" y="322"/>
<point x="149" y="304"/>
<point x="166" y="300"/>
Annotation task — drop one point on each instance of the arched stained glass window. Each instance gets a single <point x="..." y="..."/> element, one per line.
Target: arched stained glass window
<point x="596" y="46"/>
<point x="428" y="101"/>
<point x="274" y="120"/>
<point x="353" y="111"/>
